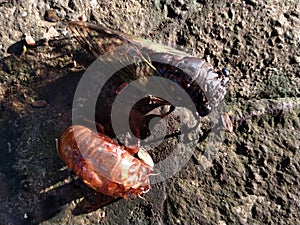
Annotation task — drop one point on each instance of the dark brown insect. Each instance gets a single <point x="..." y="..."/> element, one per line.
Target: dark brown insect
<point x="205" y="86"/>
<point x="104" y="165"/>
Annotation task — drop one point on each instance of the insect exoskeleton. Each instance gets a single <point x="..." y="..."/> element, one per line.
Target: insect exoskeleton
<point x="103" y="164"/>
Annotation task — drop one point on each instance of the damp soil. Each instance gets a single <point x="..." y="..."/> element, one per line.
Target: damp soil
<point x="249" y="176"/>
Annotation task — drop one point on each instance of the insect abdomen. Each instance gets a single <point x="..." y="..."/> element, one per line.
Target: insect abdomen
<point x="105" y="166"/>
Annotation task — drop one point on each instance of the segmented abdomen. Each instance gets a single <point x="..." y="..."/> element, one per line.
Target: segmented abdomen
<point x="102" y="164"/>
<point x="206" y="87"/>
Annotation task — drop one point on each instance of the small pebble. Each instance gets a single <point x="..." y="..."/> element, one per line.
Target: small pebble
<point x="39" y="104"/>
<point x="24" y="14"/>
<point x="30" y="41"/>
<point x="51" y="15"/>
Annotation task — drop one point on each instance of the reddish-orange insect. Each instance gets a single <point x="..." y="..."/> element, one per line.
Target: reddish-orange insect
<point x="106" y="166"/>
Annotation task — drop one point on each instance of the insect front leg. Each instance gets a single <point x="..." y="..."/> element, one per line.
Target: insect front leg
<point x="162" y="109"/>
<point x="140" y="153"/>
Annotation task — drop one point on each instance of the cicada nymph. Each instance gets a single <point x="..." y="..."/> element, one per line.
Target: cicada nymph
<point x="107" y="168"/>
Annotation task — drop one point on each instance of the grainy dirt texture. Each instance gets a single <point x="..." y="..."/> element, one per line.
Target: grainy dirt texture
<point x="253" y="177"/>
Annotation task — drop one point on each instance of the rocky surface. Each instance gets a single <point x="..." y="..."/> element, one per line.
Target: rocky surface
<point x="252" y="178"/>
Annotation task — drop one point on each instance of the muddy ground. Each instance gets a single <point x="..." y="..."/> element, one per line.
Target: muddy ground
<point x="253" y="177"/>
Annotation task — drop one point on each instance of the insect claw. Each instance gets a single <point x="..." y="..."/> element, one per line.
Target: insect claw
<point x="145" y="157"/>
<point x="143" y="197"/>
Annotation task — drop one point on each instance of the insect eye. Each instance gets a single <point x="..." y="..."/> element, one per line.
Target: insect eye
<point x="225" y="72"/>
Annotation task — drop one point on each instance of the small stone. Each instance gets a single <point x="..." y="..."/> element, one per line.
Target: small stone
<point x="39" y="104"/>
<point x="30" y="41"/>
<point x="24" y="14"/>
<point x="51" y="16"/>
